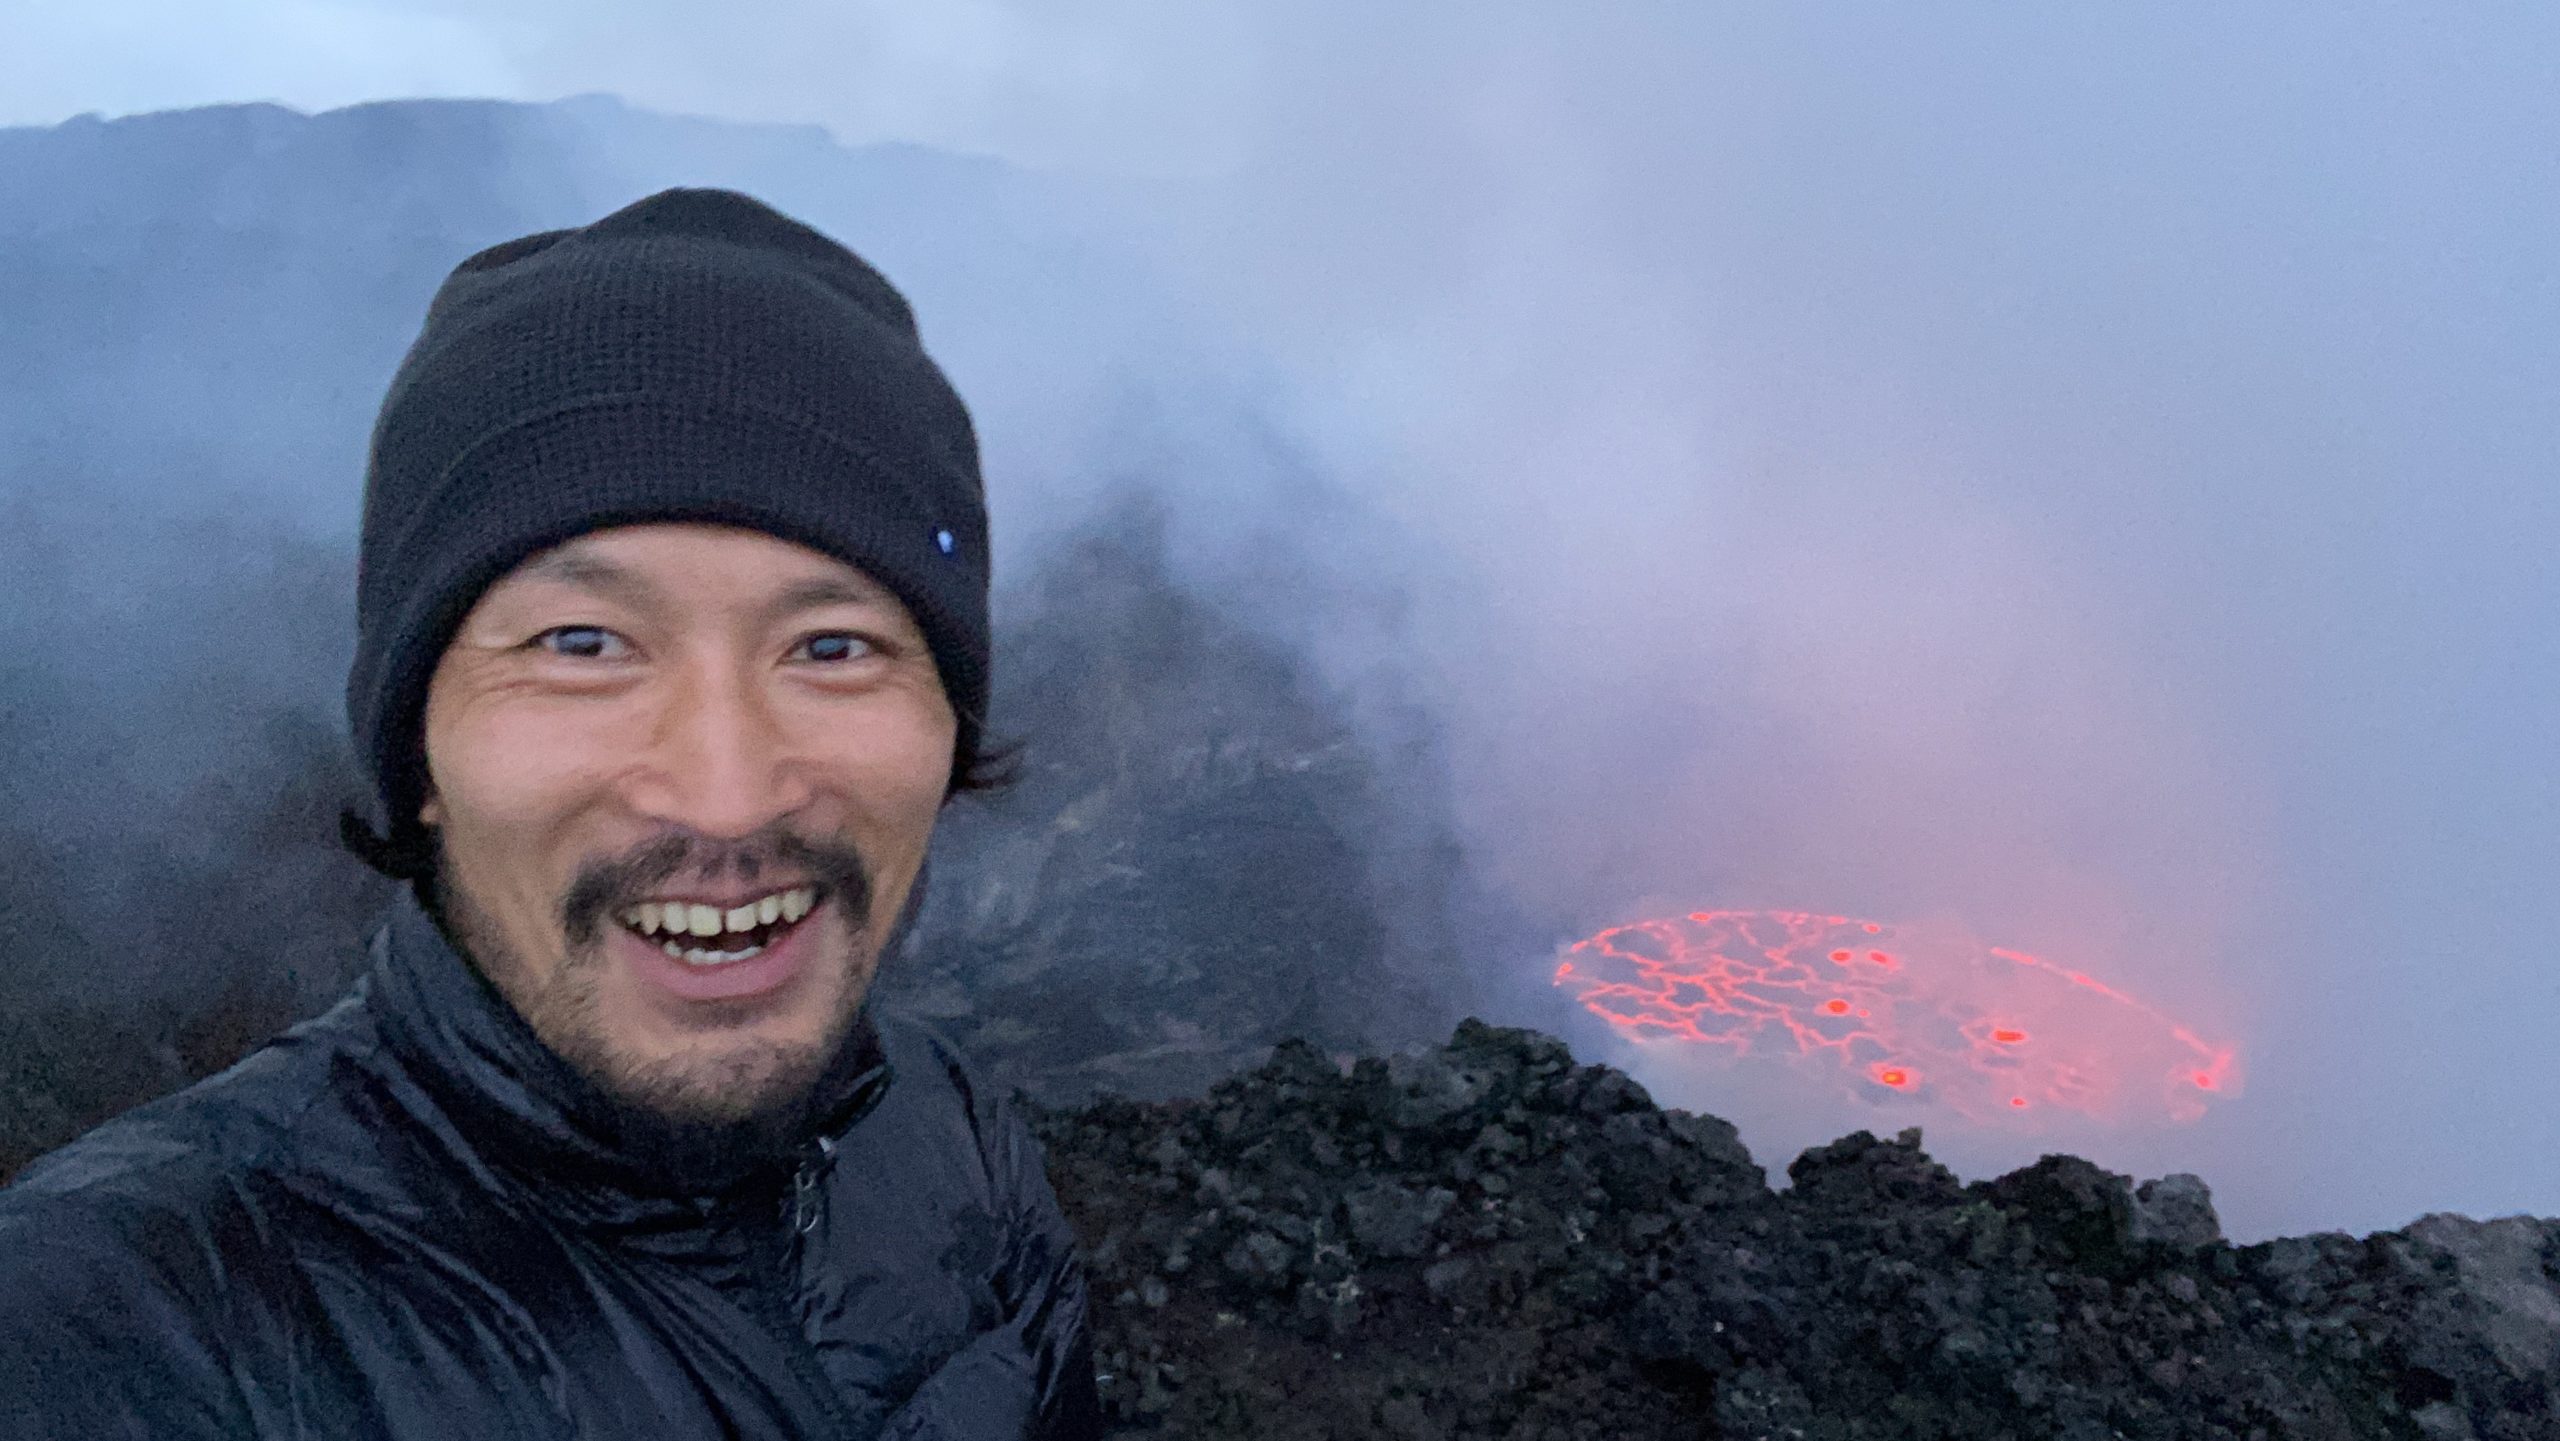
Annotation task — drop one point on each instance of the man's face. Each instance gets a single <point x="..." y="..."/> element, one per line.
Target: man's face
<point x="658" y="731"/>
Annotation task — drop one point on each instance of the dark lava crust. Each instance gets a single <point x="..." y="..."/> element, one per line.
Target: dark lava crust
<point x="1489" y="1240"/>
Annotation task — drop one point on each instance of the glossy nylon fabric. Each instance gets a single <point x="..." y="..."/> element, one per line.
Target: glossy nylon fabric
<point x="406" y="1219"/>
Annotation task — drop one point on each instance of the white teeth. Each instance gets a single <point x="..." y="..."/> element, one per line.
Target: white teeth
<point x="681" y="918"/>
<point x="697" y="956"/>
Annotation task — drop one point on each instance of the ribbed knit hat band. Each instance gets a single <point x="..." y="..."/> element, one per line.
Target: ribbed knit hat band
<point x="695" y="356"/>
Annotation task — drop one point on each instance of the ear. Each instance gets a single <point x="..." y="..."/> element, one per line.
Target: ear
<point x="430" y="810"/>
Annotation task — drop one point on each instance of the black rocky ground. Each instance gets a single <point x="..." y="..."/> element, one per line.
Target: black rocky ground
<point x="1490" y="1240"/>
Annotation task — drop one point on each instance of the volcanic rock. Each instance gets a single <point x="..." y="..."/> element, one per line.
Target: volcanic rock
<point x="1489" y="1239"/>
<point x="2176" y="1210"/>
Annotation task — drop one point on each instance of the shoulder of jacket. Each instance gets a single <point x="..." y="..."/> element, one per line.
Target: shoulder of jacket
<point x="919" y="1049"/>
<point x="923" y="1055"/>
<point x="170" y="1218"/>
<point x="192" y="1151"/>
<point x="87" y="1273"/>
<point x="118" y="1312"/>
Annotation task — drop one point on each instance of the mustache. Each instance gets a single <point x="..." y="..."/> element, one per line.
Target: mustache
<point x="607" y="884"/>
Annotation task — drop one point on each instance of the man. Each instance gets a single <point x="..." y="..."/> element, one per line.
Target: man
<point x="672" y="642"/>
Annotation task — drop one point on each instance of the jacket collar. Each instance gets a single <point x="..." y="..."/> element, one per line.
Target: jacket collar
<point x="530" y="1113"/>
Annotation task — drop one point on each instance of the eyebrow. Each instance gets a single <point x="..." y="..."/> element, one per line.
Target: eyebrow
<point x="571" y="567"/>
<point x="591" y="572"/>
<point x="828" y="590"/>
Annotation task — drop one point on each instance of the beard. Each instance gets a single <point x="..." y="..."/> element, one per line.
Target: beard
<point x="735" y="1098"/>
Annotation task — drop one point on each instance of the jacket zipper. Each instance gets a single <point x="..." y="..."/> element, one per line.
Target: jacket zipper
<point x="804" y="1187"/>
<point x="773" y="1291"/>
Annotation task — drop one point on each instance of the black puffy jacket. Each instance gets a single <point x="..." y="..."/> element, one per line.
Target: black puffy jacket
<point x="408" y="1218"/>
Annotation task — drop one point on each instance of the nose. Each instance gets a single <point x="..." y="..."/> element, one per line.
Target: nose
<point x="719" y="761"/>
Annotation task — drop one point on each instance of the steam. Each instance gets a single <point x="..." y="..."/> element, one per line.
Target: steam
<point x="2080" y="477"/>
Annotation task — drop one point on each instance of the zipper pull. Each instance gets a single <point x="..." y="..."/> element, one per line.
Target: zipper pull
<point x="804" y="1188"/>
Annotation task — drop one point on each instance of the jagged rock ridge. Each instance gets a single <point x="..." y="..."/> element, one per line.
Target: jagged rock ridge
<point x="1490" y="1240"/>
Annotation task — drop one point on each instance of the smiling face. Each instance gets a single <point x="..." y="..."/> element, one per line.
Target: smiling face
<point x="682" y="779"/>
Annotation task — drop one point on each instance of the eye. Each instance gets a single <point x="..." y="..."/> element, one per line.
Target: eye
<point x="583" y="642"/>
<point x="830" y="647"/>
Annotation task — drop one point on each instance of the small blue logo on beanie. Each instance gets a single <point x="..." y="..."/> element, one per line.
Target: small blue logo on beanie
<point x="943" y="539"/>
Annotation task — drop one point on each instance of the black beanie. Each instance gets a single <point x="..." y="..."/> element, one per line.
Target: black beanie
<point x="694" y="356"/>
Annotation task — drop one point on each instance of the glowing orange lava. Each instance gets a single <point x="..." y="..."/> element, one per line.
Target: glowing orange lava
<point x="1981" y="1030"/>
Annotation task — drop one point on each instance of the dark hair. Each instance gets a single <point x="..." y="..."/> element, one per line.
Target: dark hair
<point x="990" y="768"/>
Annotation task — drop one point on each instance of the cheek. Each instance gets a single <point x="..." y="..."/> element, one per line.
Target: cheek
<point x="894" y="767"/>
<point x="900" y="795"/>
<point x="509" y="769"/>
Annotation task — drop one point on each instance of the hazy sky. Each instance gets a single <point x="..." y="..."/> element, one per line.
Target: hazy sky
<point x="2086" y="471"/>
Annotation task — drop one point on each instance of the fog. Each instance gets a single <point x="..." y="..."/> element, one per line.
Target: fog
<point x="2087" y="475"/>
